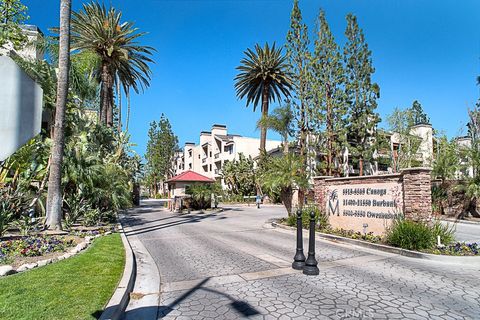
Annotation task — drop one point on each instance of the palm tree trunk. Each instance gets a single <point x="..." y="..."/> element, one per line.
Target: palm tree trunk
<point x="263" y="132"/>
<point x="106" y="95"/>
<point x="128" y="109"/>
<point x="54" y="197"/>
<point x="119" y="97"/>
<point x="285" y="144"/>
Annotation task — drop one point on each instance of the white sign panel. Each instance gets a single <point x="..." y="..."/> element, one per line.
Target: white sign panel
<point x="20" y="107"/>
<point x="364" y="207"/>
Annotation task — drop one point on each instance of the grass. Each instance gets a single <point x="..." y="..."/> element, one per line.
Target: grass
<point x="75" y="288"/>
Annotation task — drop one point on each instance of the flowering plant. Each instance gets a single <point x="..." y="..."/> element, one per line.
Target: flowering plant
<point x="33" y="246"/>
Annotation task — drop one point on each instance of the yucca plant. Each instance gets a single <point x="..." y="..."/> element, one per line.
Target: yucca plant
<point x="263" y="77"/>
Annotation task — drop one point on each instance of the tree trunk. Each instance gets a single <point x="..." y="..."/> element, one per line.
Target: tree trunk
<point x="360" y="164"/>
<point x="119" y="97"/>
<point x="263" y="134"/>
<point x="285" y="144"/>
<point x="106" y="95"/>
<point x="286" y="197"/>
<point x="128" y="109"/>
<point x="54" y="196"/>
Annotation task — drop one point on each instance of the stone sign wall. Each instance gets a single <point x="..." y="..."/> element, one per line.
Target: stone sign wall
<point x="372" y="203"/>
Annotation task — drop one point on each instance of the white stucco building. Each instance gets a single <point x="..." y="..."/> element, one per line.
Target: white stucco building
<point x="215" y="148"/>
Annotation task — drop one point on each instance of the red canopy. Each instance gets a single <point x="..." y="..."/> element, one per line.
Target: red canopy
<point x="190" y="176"/>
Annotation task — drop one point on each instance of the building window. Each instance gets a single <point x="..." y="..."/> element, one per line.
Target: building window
<point x="210" y="167"/>
<point x="198" y="156"/>
<point x="228" y="149"/>
<point x="189" y="166"/>
<point x="210" y="154"/>
<point x="189" y="153"/>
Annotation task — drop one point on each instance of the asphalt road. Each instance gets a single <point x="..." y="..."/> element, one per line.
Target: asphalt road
<point x="233" y="265"/>
<point x="464" y="232"/>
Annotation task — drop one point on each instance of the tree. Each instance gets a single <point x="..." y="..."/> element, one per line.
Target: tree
<point x="361" y="92"/>
<point x="299" y="64"/>
<point x="101" y="31"/>
<point x="418" y="115"/>
<point x="12" y="15"/>
<point x="161" y="147"/>
<point x="285" y="173"/>
<point x="280" y="121"/>
<point x="263" y="77"/>
<point x="239" y="176"/>
<point x="400" y="124"/>
<point x="54" y="197"/>
<point x="447" y="160"/>
<point x="328" y="80"/>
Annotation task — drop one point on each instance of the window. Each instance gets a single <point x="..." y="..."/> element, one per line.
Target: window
<point x="228" y="149"/>
<point x="210" y="154"/>
<point x="210" y="167"/>
<point x="189" y="166"/>
<point x="198" y="156"/>
<point x="189" y="153"/>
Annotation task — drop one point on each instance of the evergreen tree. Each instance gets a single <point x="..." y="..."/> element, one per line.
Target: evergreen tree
<point x="418" y="115"/>
<point x="161" y="147"/>
<point x="299" y="63"/>
<point x="328" y="80"/>
<point x="299" y="58"/>
<point x="361" y="92"/>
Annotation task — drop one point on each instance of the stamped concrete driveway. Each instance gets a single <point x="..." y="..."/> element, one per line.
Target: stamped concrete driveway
<point x="233" y="265"/>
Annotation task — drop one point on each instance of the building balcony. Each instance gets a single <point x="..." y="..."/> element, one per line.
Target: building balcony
<point x="204" y="160"/>
<point x="217" y="171"/>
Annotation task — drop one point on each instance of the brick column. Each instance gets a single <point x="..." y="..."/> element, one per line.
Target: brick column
<point x="417" y="194"/>
<point x="319" y="188"/>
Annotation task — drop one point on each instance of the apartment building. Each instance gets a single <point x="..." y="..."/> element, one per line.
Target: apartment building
<point x="215" y="148"/>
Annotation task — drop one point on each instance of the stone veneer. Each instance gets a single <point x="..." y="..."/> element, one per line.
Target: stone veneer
<point x="416" y="190"/>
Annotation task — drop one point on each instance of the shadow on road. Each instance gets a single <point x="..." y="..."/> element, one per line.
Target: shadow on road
<point x="242" y="307"/>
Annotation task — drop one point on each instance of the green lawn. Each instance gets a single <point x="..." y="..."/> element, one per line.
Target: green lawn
<point x="76" y="288"/>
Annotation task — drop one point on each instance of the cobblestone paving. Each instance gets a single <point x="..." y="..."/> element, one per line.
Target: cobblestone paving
<point x="353" y="284"/>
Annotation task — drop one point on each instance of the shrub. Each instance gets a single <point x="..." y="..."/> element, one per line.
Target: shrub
<point x="445" y="231"/>
<point x="411" y="235"/>
<point x="92" y="217"/>
<point x="321" y="219"/>
<point x="5" y="217"/>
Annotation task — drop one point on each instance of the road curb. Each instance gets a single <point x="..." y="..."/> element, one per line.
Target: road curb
<point x="384" y="248"/>
<point x="115" y="308"/>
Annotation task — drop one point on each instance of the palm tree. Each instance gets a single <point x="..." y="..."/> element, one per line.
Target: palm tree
<point x="263" y="76"/>
<point x="54" y="197"/>
<point x="280" y="121"/>
<point x="285" y="173"/>
<point x="122" y="58"/>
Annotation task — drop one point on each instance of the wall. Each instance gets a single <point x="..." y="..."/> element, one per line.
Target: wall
<point x="372" y="203"/>
<point x="21" y="105"/>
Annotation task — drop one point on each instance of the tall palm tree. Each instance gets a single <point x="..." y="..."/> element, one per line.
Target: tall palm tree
<point x="263" y="77"/>
<point x="54" y="197"/>
<point x="100" y="30"/>
<point x="280" y="121"/>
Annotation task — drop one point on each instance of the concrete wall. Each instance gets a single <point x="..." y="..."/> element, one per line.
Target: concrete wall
<point x="20" y="105"/>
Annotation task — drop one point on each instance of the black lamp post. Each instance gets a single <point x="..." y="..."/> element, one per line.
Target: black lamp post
<point x="311" y="268"/>
<point x="299" y="259"/>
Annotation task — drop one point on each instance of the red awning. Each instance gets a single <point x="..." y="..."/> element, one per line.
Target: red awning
<point x="190" y="176"/>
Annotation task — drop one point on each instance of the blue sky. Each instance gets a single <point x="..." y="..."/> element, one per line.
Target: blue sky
<point x="422" y="50"/>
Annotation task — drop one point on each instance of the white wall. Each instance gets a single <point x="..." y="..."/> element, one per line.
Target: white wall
<point x="20" y="107"/>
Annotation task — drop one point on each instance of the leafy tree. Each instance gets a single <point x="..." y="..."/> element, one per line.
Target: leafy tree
<point x="54" y="198"/>
<point x="100" y="30"/>
<point x="239" y="175"/>
<point x="161" y="148"/>
<point x="400" y="123"/>
<point x="280" y="121"/>
<point x="447" y="160"/>
<point x="12" y="15"/>
<point x="285" y="173"/>
<point x="328" y="80"/>
<point x="418" y="115"/>
<point x="263" y="77"/>
<point x="361" y="92"/>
